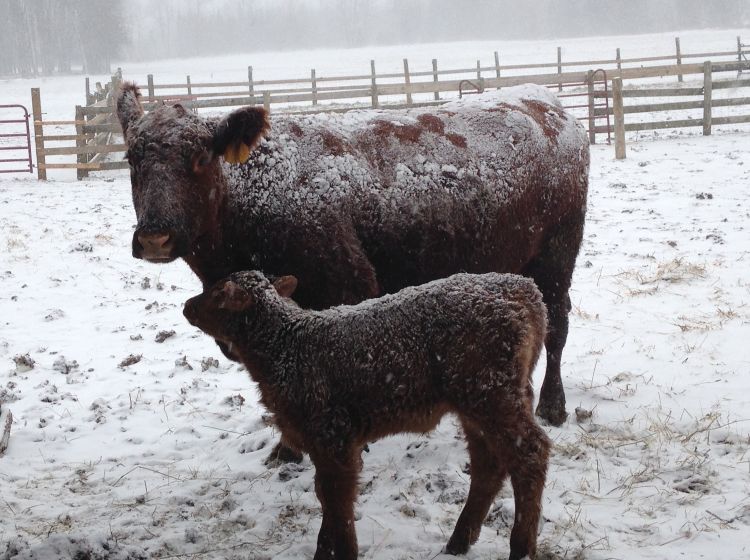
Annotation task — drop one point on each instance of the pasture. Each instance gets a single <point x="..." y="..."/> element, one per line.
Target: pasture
<point x="133" y="436"/>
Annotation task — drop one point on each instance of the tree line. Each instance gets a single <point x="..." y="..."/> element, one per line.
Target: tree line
<point x="177" y="28"/>
<point x="44" y="36"/>
<point x="48" y="36"/>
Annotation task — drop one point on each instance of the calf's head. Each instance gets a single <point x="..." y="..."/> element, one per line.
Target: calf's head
<point x="175" y="170"/>
<point x="231" y="304"/>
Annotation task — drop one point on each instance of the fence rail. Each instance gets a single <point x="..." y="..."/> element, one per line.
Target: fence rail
<point x="95" y="124"/>
<point x="707" y="103"/>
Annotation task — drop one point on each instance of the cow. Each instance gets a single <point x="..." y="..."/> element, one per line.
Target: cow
<point x="365" y="203"/>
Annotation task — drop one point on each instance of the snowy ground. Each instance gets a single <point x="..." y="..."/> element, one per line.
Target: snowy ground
<point x="163" y="457"/>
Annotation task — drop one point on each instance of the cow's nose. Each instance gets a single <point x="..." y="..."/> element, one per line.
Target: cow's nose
<point x="153" y="242"/>
<point x="155" y="246"/>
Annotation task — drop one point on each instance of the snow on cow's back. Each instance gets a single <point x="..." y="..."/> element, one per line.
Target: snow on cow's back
<point x="492" y="138"/>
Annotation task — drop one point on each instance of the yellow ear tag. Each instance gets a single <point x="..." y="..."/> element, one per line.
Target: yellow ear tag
<point x="237" y="153"/>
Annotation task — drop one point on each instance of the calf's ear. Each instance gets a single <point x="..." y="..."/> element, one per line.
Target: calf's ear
<point x="233" y="297"/>
<point x="239" y="132"/>
<point x="285" y="285"/>
<point x="129" y="108"/>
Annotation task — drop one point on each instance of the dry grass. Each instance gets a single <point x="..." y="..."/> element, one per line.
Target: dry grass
<point x="648" y="280"/>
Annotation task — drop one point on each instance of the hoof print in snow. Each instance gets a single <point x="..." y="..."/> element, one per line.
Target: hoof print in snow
<point x="235" y="401"/>
<point x="54" y="315"/>
<point x="499" y="518"/>
<point x="413" y="448"/>
<point x="64" y="366"/>
<point x="582" y="414"/>
<point x="182" y="362"/>
<point x="130" y="360"/>
<point x="208" y="363"/>
<point x="191" y="535"/>
<point x="163" y="335"/>
<point x="24" y="363"/>
<point x="289" y="471"/>
<point x="82" y="247"/>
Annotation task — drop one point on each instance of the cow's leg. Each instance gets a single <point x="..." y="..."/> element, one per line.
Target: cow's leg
<point x="336" y="488"/>
<point x="488" y="470"/>
<point x="552" y="270"/>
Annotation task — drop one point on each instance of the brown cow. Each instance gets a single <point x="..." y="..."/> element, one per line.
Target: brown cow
<point x="366" y="203"/>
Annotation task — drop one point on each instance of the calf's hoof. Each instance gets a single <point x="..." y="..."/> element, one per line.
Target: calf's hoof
<point x="282" y="454"/>
<point x="457" y="545"/>
<point x="552" y="413"/>
<point x="521" y="555"/>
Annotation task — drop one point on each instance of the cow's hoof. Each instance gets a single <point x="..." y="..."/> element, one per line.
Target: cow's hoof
<point x="554" y="415"/>
<point x="282" y="454"/>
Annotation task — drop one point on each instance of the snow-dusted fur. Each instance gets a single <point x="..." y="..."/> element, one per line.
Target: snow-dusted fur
<point x="366" y="203"/>
<point x="339" y="378"/>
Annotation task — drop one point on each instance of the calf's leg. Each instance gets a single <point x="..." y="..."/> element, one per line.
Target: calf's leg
<point x="336" y="488"/>
<point x="528" y="451"/>
<point x="487" y="473"/>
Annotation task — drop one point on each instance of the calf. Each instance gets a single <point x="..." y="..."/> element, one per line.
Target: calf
<point x="339" y="378"/>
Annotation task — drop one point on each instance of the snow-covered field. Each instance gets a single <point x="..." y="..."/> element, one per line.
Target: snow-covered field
<point x="135" y="438"/>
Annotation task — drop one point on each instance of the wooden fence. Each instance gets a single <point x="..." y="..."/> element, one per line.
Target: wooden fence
<point x="705" y="101"/>
<point x="578" y="86"/>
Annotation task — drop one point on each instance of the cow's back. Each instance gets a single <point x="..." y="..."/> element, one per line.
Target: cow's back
<point x="471" y="186"/>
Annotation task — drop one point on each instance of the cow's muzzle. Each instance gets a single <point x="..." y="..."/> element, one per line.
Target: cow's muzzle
<point x="154" y="246"/>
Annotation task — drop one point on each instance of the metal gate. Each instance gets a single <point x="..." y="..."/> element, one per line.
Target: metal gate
<point x="603" y="105"/>
<point x="14" y="134"/>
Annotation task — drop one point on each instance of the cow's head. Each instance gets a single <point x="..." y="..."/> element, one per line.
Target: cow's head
<point x="175" y="170"/>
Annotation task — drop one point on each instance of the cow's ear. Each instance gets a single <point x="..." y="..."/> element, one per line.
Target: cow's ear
<point x="129" y="108"/>
<point x="239" y="132"/>
<point x="232" y="296"/>
<point x="285" y="286"/>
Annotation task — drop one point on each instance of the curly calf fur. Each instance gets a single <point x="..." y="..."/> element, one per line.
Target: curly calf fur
<point x="339" y="378"/>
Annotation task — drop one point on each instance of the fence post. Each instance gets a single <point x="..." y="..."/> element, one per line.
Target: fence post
<point x="618" y="108"/>
<point x="435" y="78"/>
<point x="707" y="97"/>
<point x="150" y="79"/>
<point x="407" y="82"/>
<point x="739" y="51"/>
<point x="189" y="86"/>
<point x="251" y="84"/>
<point x="36" y="110"/>
<point x="559" y="66"/>
<point x="497" y="64"/>
<point x="88" y="91"/>
<point x="114" y="87"/>
<point x="679" y="58"/>
<point x="267" y="101"/>
<point x="81" y="158"/>
<point x="314" y="83"/>
<point x="479" y="71"/>
<point x="374" y="94"/>
<point x="592" y="116"/>
<point x="618" y="59"/>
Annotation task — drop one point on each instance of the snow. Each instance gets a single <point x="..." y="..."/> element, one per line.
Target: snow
<point x="164" y="457"/>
